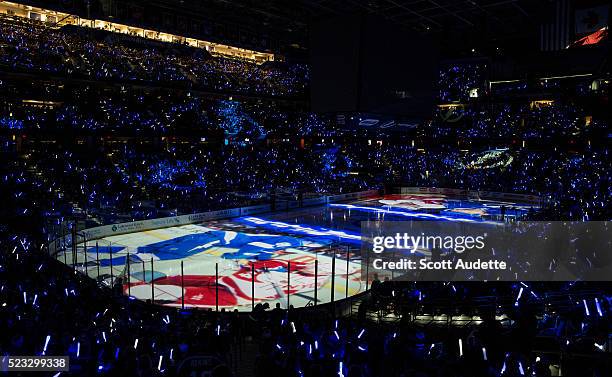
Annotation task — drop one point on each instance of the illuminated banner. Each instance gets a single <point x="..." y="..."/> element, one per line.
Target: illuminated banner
<point x="486" y="251"/>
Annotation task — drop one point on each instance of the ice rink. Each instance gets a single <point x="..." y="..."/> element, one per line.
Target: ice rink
<point x="269" y="258"/>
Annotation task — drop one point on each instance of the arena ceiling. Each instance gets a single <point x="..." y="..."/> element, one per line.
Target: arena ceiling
<point x="422" y="15"/>
<point x="289" y="19"/>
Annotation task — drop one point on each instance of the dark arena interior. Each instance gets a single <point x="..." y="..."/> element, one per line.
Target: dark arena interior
<point x="305" y="188"/>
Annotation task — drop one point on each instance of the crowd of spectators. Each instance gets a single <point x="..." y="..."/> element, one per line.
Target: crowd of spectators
<point x="111" y="335"/>
<point x="115" y="181"/>
<point x="128" y="162"/>
<point x="124" y="181"/>
<point x="496" y="347"/>
<point x="58" y="312"/>
<point x="459" y="80"/>
<point x="578" y="183"/>
<point x="34" y="47"/>
<point x="522" y="121"/>
<point x="92" y="109"/>
<point x="52" y="106"/>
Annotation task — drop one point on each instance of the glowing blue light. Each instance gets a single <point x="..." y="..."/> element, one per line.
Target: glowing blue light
<point x="516" y="303"/>
<point x="598" y="308"/>
<point x="46" y="344"/>
<point x="360" y="334"/>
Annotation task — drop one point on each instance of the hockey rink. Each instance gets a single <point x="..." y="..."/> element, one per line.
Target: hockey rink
<point x="280" y="257"/>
